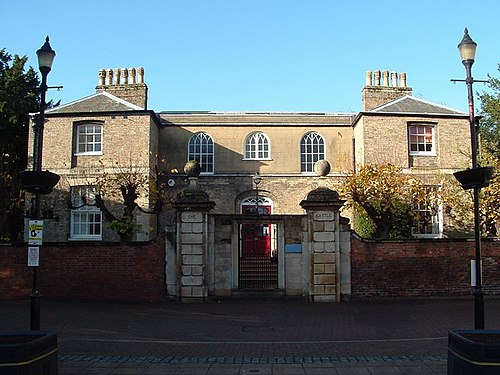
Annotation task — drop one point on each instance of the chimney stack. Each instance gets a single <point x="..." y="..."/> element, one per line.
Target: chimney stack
<point x="375" y="94"/>
<point x="127" y="84"/>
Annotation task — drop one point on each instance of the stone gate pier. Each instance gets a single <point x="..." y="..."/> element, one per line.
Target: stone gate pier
<point x="192" y="207"/>
<point x="328" y="246"/>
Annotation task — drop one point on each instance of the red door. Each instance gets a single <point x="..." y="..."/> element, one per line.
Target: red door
<point x="256" y="237"/>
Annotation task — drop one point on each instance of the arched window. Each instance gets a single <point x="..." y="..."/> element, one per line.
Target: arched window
<point x="201" y="149"/>
<point x="257" y="146"/>
<point x="312" y="149"/>
<point x="253" y="204"/>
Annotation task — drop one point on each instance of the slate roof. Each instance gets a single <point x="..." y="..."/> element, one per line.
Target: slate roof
<point x="411" y="105"/>
<point x="100" y="102"/>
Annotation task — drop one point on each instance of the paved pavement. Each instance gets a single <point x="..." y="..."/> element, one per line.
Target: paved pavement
<point x="251" y="337"/>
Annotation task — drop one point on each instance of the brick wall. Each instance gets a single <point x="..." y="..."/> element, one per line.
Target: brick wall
<point x="385" y="269"/>
<point x="420" y="268"/>
<point x="451" y="142"/>
<point x="87" y="271"/>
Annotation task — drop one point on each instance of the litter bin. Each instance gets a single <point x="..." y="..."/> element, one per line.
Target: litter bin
<point x="28" y="353"/>
<point x="474" y="352"/>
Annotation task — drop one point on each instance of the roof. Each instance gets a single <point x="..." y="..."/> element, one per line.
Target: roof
<point x="100" y="102"/>
<point x="210" y="118"/>
<point x="411" y="105"/>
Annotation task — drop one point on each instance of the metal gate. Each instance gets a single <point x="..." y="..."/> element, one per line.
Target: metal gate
<point x="258" y="256"/>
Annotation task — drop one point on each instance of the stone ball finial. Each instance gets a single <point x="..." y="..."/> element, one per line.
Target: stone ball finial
<point x="322" y="168"/>
<point x="192" y="168"/>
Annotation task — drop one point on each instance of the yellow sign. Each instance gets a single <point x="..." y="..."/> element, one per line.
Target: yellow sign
<point x="35" y="232"/>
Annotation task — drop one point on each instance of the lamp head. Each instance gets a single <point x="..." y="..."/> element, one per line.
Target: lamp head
<point x="45" y="57"/>
<point x="467" y="48"/>
<point x="256" y="179"/>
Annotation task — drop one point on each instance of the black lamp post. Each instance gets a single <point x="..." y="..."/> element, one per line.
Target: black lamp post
<point x="467" y="48"/>
<point x="45" y="59"/>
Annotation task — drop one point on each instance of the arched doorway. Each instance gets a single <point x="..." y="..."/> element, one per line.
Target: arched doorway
<point x="258" y="255"/>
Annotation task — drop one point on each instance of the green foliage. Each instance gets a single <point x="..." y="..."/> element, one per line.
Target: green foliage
<point x="490" y="130"/>
<point x="490" y="155"/>
<point x="403" y="219"/>
<point x="124" y="227"/>
<point x="387" y="197"/>
<point x="18" y="98"/>
<point x="362" y="224"/>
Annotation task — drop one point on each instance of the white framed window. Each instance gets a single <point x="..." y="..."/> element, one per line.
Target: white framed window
<point x="428" y="222"/>
<point x="312" y="149"/>
<point x="86" y="218"/>
<point x="257" y="146"/>
<point x="421" y="139"/>
<point x="89" y="139"/>
<point x="201" y="149"/>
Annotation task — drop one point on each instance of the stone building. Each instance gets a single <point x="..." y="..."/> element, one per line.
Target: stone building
<point x="258" y="198"/>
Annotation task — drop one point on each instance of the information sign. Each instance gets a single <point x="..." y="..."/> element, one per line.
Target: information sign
<point x="33" y="256"/>
<point x="35" y="232"/>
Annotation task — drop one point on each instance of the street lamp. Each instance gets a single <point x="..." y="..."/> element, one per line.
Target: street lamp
<point x="467" y="48"/>
<point x="45" y="59"/>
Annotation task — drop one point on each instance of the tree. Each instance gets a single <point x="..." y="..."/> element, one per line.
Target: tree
<point x="490" y="130"/>
<point x="384" y="199"/>
<point x="18" y="98"/>
<point x="118" y="189"/>
<point x="123" y="186"/>
<point x="490" y="155"/>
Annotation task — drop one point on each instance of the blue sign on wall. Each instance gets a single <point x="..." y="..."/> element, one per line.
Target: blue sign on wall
<point x="293" y="248"/>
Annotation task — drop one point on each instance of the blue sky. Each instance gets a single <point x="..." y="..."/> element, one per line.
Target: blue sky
<point x="260" y="55"/>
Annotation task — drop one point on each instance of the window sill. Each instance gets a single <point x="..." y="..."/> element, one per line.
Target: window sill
<point x="85" y="238"/>
<point x="88" y="153"/>
<point x="419" y="236"/>
<point x="423" y="154"/>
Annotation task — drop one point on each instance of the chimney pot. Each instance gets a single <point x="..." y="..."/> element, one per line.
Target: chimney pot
<point x="140" y="75"/>
<point x="124" y="76"/>
<point x="394" y="79"/>
<point x="368" y="78"/>
<point x="385" y="77"/>
<point x="376" y="73"/>
<point x="102" y="77"/>
<point x="402" y="77"/>
<point x="109" y="77"/>
<point x="116" y="76"/>
<point x="131" y="76"/>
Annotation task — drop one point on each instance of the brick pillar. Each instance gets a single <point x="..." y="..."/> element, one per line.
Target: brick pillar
<point x="323" y="218"/>
<point x="192" y="206"/>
